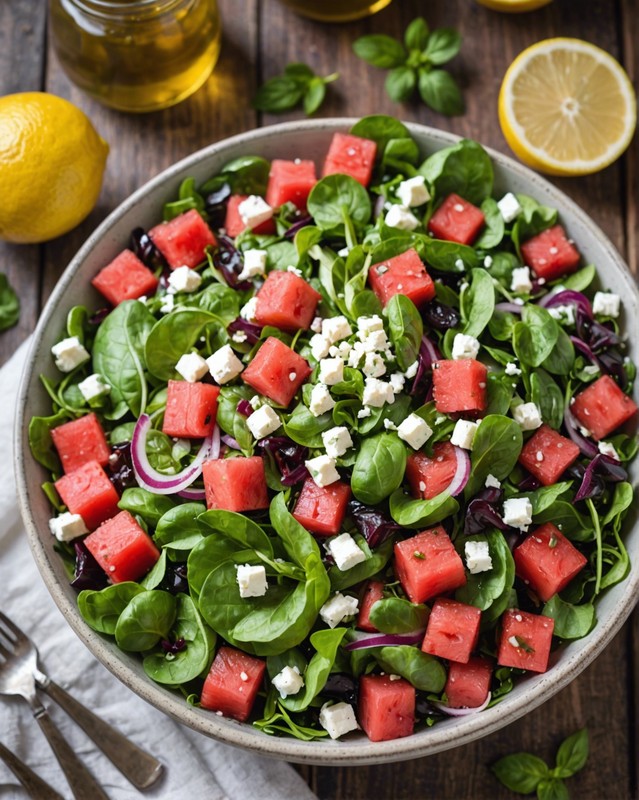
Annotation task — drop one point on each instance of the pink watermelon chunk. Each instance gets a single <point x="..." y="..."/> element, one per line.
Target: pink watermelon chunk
<point x="183" y="240"/>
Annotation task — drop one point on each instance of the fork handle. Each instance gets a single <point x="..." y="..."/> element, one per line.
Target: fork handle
<point x="34" y="786"/>
<point x="138" y="766"/>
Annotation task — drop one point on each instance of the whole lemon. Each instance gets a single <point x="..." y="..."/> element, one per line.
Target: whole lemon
<point x="51" y="166"/>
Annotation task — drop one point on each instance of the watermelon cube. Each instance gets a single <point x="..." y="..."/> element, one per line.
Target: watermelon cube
<point x="602" y="407"/>
<point x="386" y="708"/>
<point x="547" y="562"/>
<point x="550" y="254"/>
<point x="234" y="224"/>
<point x="525" y="640"/>
<point x="456" y="220"/>
<point x="429" y="476"/>
<point x="276" y="371"/>
<point x="460" y="386"/>
<point x="290" y="182"/>
<point x="428" y="565"/>
<point x="321" y="509"/>
<point x="125" y="278"/>
<point x="233" y="683"/>
<point x="235" y="484"/>
<point x="403" y="274"/>
<point x="286" y="301"/>
<point x="87" y="491"/>
<point x="548" y="454"/>
<point x="80" y="441"/>
<point x="191" y="409"/>
<point x="373" y="591"/>
<point x="122" y="548"/>
<point x="183" y="240"/>
<point x="453" y="630"/>
<point x="468" y="684"/>
<point x="351" y="155"/>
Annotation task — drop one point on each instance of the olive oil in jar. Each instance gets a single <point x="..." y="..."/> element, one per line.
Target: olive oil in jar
<point x="136" y="55"/>
<point x="336" y="10"/>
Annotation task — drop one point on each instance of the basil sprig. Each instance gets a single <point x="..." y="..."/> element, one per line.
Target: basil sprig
<point x="9" y="304"/>
<point x="298" y="84"/>
<point x="414" y="64"/>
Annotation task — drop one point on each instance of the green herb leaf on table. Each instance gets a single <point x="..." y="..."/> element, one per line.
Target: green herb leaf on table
<point x="298" y="84"/>
<point x="9" y="304"/>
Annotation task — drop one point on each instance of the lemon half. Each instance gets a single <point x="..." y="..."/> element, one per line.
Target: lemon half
<point x="566" y="107"/>
<point x="514" y="6"/>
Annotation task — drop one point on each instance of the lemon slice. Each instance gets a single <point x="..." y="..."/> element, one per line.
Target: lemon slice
<point x="567" y="107"/>
<point x="514" y="6"/>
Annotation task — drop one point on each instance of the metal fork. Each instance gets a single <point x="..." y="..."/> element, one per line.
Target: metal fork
<point x="19" y="674"/>
<point x="34" y="786"/>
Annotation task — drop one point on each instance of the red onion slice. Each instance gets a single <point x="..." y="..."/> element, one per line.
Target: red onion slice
<point x="462" y="473"/>
<point x="156" y="482"/>
<point x="462" y="712"/>
<point x="193" y="494"/>
<point x="587" y="447"/>
<point x="364" y="640"/>
<point x="510" y="308"/>
<point x="567" y="297"/>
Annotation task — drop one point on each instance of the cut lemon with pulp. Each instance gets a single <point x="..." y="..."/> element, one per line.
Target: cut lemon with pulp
<point x="566" y="107"/>
<point x="514" y="6"/>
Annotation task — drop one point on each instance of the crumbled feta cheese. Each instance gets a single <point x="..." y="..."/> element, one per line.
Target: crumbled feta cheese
<point x="254" y="264"/>
<point x="374" y="365"/>
<point x="254" y="211"/>
<point x="492" y="482"/>
<point x="509" y="207"/>
<point x="518" y="513"/>
<point x="343" y="253"/>
<point x="520" y="281"/>
<point x="343" y="350"/>
<point x="184" y="279"/>
<point x="331" y="371"/>
<point x="397" y="381"/>
<point x="337" y="719"/>
<point x="477" y="557"/>
<point x="321" y="400"/>
<point x="377" y="392"/>
<point x="316" y="325"/>
<point x="336" y="441"/>
<point x="336" y="608"/>
<point x="377" y="340"/>
<point x="401" y="218"/>
<point x="527" y="416"/>
<point x="564" y="314"/>
<point x="66" y="527"/>
<point x="168" y="304"/>
<point x="295" y="271"/>
<point x="335" y="329"/>
<point x="255" y="402"/>
<point x="412" y="370"/>
<point x="512" y="369"/>
<point x="488" y="262"/>
<point x="322" y="469"/>
<point x="345" y="551"/>
<point x="69" y="354"/>
<point x="389" y="425"/>
<point x="363" y="413"/>
<point x="608" y="449"/>
<point x="413" y="192"/>
<point x="288" y="681"/>
<point x="319" y="346"/>
<point x="464" y="347"/>
<point x="249" y="310"/>
<point x="355" y="354"/>
<point x="464" y="434"/>
<point x="224" y="365"/>
<point x="414" y="431"/>
<point x="606" y="304"/>
<point x="366" y="325"/>
<point x="591" y="369"/>
<point x="192" y="367"/>
<point x="263" y="422"/>
<point x="93" y="386"/>
<point x="251" y="580"/>
<point x="459" y="265"/>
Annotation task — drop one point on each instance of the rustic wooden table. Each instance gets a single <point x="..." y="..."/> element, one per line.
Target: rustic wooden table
<point x="259" y="39"/>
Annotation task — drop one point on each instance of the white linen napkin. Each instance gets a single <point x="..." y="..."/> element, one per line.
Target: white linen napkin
<point x="195" y="766"/>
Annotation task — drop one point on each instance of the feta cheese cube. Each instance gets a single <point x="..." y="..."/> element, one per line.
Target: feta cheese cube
<point x="477" y="557"/>
<point x="520" y="281"/>
<point x="366" y="325"/>
<point x="608" y="449"/>
<point x="254" y="211"/>
<point x="564" y="314"/>
<point x="322" y="469"/>
<point x="288" y="681"/>
<point x="512" y="369"/>
<point x="377" y="392"/>
<point x="321" y="400"/>
<point x="413" y="192"/>
<point x="345" y="551"/>
<point x="251" y="580"/>
<point x="606" y="304"/>
<point x="509" y="207"/>
<point x="224" y="365"/>
<point x="168" y="304"/>
<point x="336" y="328"/>
<point x="66" y="527"/>
<point x="518" y="513"/>
<point x="263" y="422"/>
<point x="492" y="482"/>
<point x="319" y="346"/>
<point x="192" y="367"/>
<point x="401" y="218"/>
<point x="377" y="340"/>
<point x="337" y="607"/>
<point x="414" y="431"/>
<point x="337" y="719"/>
<point x="331" y="371"/>
<point x="249" y="310"/>
<point x="356" y="354"/>
<point x="397" y="381"/>
<point x="254" y="264"/>
<point x="364" y="412"/>
<point x="465" y="347"/>
<point x="336" y="441"/>
<point x="527" y="416"/>
<point x="464" y="434"/>
<point x="412" y="370"/>
<point x="374" y="365"/>
<point x="184" y="279"/>
<point x="343" y="350"/>
<point x="69" y="354"/>
<point x="93" y="387"/>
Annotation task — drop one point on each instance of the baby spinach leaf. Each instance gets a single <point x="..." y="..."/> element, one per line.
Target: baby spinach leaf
<point x="326" y="644"/>
<point x="172" y="336"/>
<point x="534" y="219"/>
<point x="180" y="528"/>
<point x="548" y="397"/>
<point x="568" y="519"/>
<point x="101" y="609"/>
<point x="220" y="603"/>
<point x="406" y="329"/>
<point x="502" y="325"/>
<point x="493" y="233"/>
<point x="305" y="429"/>
<point x="209" y="553"/>
<point x="464" y="168"/>
<point x="379" y="468"/>
<point x="411" y="513"/>
<point x="40" y="441"/>
<point x="77" y="322"/>
<point x="499" y="393"/>
<point x="155" y="577"/>
<point x="145" y="504"/>
<point x="580" y="280"/>
<point x="446" y="256"/>
<point x="571" y="621"/>
<point x="425" y="672"/>
<point x="245" y="533"/>
<point x="535" y="336"/>
<point x="230" y="421"/>
<point x="375" y="562"/>
<point x="478" y="303"/>
<point x="490" y="590"/>
<point x="544" y="499"/>
<point x="396" y="615"/>
<point x="496" y="448"/>
<point x="147" y="618"/>
<point x="381" y="129"/>
<point x="335" y="197"/>
<point x="245" y="175"/>
<point x="220" y="300"/>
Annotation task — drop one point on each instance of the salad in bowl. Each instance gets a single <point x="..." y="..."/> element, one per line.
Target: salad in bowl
<point x="341" y="444"/>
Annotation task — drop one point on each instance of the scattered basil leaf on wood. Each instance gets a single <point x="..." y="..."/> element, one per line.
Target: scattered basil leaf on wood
<point x="9" y="304"/>
<point x="298" y="85"/>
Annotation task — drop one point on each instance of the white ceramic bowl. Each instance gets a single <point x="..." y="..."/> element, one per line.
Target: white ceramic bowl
<point x="306" y="140"/>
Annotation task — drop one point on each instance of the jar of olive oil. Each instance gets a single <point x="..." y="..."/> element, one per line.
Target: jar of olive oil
<point x="136" y="55"/>
<point x="336" y="10"/>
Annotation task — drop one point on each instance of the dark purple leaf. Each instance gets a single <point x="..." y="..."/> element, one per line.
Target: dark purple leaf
<point x="596" y="335"/>
<point x="215" y="205"/>
<point x="340" y="686"/>
<point x="289" y="458"/>
<point x="228" y="259"/>
<point x="600" y="469"/>
<point x="252" y="331"/>
<point x="99" y="316"/>
<point x="297" y="226"/>
<point x="175" y="580"/>
<point x="88" y="573"/>
<point x="120" y="467"/>
<point x="144" y="248"/>
<point x="611" y="362"/>
<point x="428" y="353"/>
<point x="568" y="297"/>
<point x="481" y="513"/>
<point x="173" y="647"/>
<point x="374" y="526"/>
<point x="529" y="484"/>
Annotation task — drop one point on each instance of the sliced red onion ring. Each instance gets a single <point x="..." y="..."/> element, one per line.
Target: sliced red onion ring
<point x="462" y="712"/>
<point x="567" y="297"/>
<point x="156" y="482"/>
<point x="364" y="640"/>
<point x="193" y="494"/>
<point x="586" y="350"/>
<point x="229" y="441"/>
<point x="462" y="473"/>
<point x="511" y="308"/>
<point x="587" y="447"/>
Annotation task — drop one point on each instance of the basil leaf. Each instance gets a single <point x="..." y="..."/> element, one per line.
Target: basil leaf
<point x="416" y="34"/>
<point x="300" y="72"/>
<point x="443" y="44"/>
<point x="400" y="83"/>
<point x="380" y="50"/>
<point x="573" y="752"/>
<point x="278" y="94"/>
<point x="571" y="621"/>
<point x="464" y="168"/>
<point x="553" y="789"/>
<point x="521" y="772"/>
<point x="379" y="468"/>
<point x="9" y="304"/>
<point x="314" y="96"/>
<point x="439" y="90"/>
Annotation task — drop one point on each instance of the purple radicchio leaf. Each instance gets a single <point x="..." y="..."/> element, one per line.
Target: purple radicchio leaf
<point x="88" y="573"/>
<point x="373" y="525"/>
<point x="288" y="456"/>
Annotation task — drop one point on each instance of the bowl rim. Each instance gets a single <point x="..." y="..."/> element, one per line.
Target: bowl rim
<point x="446" y="734"/>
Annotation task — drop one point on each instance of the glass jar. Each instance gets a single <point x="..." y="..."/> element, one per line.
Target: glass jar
<point x="336" y="10"/>
<point x="136" y="55"/>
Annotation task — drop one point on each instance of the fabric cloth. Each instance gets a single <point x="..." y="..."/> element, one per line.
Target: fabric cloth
<point x="195" y="766"/>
